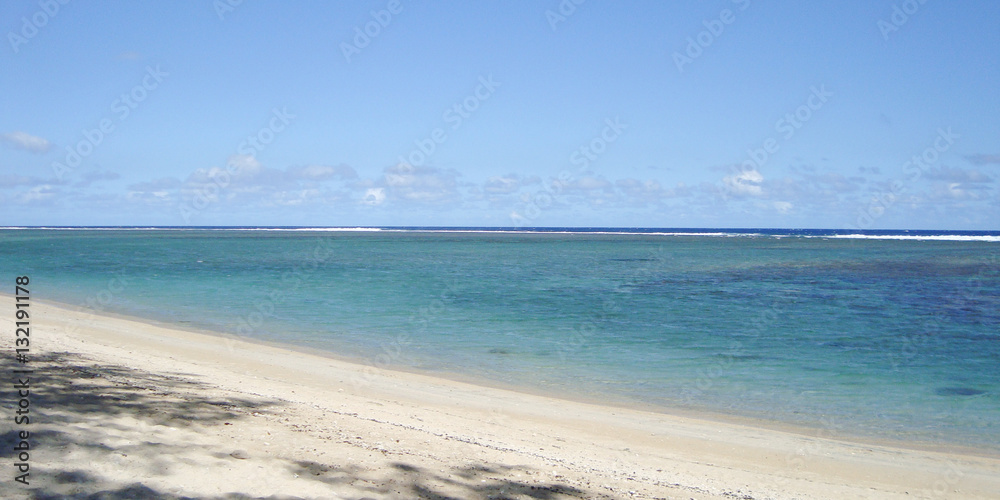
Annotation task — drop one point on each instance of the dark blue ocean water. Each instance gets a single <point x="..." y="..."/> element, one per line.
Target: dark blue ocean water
<point x="886" y="334"/>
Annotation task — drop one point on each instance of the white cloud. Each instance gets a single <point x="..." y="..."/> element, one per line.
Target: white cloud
<point x="151" y="198"/>
<point x="984" y="159"/>
<point x="243" y="165"/>
<point x="374" y="196"/>
<point x="949" y="174"/>
<point x="36" y="194"/>
<point x="649" y="190"/>
<point x="959" y="191"/>
<point x="420" y="184"/>
<point x="588" y="183"/>
<point x="783" y="207"/>
<point x="323" y="172"/>
<point x="502" y="184"/>
<point x="747" y="182"/>
<point x="92" y="177"/>
<point x="835" y="182"/>
<point x="244" y="183"/>
<point x="27" y="142"/>
<point x="161" y="184"/>
<point x="244" y="186"/>
<point x="10" y="181"/>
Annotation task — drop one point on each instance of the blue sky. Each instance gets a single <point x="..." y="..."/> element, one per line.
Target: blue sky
<point x="715" y="113"/>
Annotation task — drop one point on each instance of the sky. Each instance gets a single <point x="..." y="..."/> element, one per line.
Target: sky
<point x="585" y="113"/>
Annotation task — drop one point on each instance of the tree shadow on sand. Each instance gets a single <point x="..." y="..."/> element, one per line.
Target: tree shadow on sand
<point x="78" y="405"/>
<point x="480" y="481"/>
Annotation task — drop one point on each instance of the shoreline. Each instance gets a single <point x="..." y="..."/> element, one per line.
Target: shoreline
<point x="706" y="415"/>
<point x="593" y="451"/>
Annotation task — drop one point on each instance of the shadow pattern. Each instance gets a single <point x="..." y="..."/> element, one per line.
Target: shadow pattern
<point x="69" y="390"/>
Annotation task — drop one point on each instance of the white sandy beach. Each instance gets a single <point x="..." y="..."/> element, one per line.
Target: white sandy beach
<point x="126" y="409"/>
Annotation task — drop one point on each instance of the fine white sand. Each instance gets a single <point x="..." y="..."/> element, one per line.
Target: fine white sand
<point x="125" y="409"/>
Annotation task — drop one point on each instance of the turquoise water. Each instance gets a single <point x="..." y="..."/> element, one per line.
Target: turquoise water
<point x="890" y="338"/>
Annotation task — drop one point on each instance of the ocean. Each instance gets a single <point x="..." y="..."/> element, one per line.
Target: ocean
<point x="889" y="335"/>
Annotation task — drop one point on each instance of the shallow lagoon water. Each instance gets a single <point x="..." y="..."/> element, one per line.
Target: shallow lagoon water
<point x="888" y="335"/>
